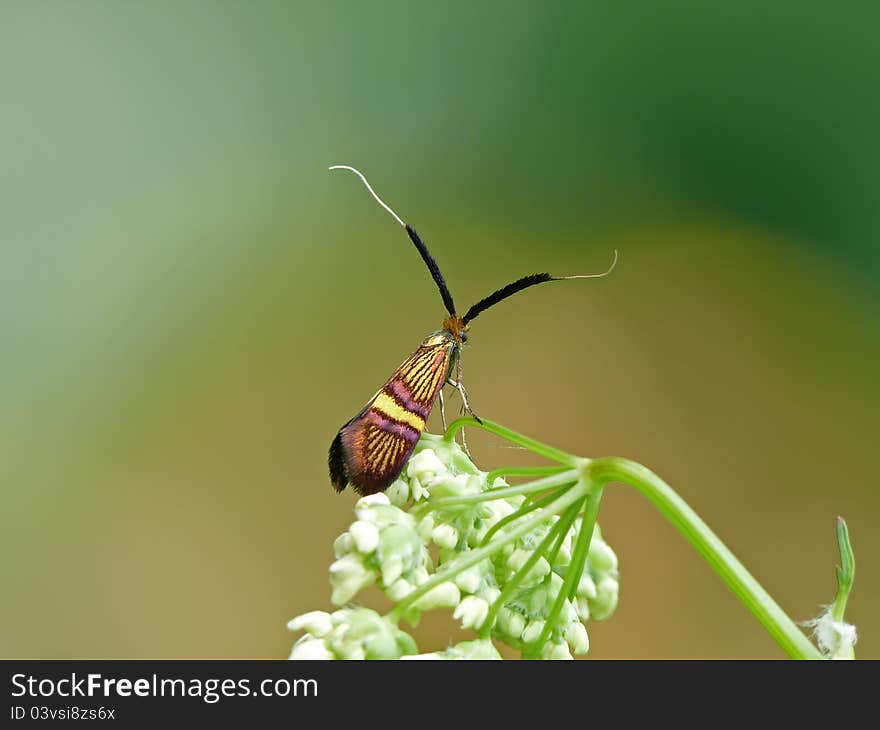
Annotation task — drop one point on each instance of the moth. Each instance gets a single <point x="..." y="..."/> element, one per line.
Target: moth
<point x="371" y="449"/>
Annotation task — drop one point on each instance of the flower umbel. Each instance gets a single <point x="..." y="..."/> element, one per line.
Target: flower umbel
<point x="524" y="564"/>
<point x="502" y="558"/>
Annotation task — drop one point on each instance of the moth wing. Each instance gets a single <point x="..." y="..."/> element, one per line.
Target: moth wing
<point x="371" y="449"/>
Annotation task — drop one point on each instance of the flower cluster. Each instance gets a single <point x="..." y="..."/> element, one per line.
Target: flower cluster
<point x="523" y="617"/>
<point x="349" y="633"/>
<point x="428" y="524"/>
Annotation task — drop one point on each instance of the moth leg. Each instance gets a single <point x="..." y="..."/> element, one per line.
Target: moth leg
<point x="463" y="391"/>
<point x="464" y="445"/>
<point x="464" y="399"/>
<point x="442" y="410"/>
<point x="461" y="411"/>
<point x="465" y="404"/>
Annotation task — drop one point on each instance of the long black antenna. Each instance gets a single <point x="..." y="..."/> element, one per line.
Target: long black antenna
<point x="414" y="237"/>
<point x="433" y="268"/>
<point x="525" y="283"/>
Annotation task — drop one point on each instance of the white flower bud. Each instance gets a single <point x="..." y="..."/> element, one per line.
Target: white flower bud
<point x="368" y="508"/>
<point x="576" y="636"/>
<point x="382" y="646"/>
<point x="340" y="616"/>
<point x="365" y="536"/>
<point x="361" y="633"/>
<point x="476" y="649"/>
<point x="472" y="611"/>
<point x="398" y="493"/>
<point x="351" y="650"/>
<point x="563" y="557"/>
<point x="429" y="656"/>
<point x="343" y="545"/>
<point x="419" y="575"/>
<point x="499" y="509"/>
<point x="418" y="490"/>
<point x="399" y="589"/>
<point x="539" y="570"/>
<point x="364" y="508"/>
<point x="316" y="623"/>
<point x="567" y="614"/>
<point x="425" y="527"/>
<point x="372" y="499"/>
<point x="311" y="649"/>
<point x="532" y="631"/>
<point x="347" y="576"/>
<point x="473" y="483"/>
<point x="399" y="538"/>
<point x="511" y="623"/>
<point x="606" y="598"/>
<point x="392" y="569"/>
<point x="469" y="580"/>
<point x="452" y="486"/>
<point x="519" y="558"/>
<point x="446" y="536"/>
<point x="445" y="595"/>
<point x="582" y="606"/>
<point x="425" y="465"/>
<point x="586" y="587"/>
<point x="602" y="557"/>
<point x="555" y="651"/>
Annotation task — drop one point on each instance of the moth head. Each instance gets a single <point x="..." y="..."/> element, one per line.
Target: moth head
<point x="456" y="327"/>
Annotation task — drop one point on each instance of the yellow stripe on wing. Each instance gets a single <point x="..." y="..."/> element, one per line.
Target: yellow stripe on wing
<point x="386" y="405"/>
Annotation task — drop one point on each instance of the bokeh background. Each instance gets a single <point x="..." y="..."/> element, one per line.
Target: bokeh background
<point x="191" y="305"/>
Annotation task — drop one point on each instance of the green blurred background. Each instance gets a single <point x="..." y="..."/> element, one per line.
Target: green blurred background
<point x="191" y="305"/>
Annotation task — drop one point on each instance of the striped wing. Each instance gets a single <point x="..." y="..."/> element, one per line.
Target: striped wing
<point x="372" y="448"/>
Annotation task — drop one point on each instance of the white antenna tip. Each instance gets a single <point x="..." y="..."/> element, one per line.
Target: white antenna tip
<point x="370" y="188"/>
<point x="594" y="276"/>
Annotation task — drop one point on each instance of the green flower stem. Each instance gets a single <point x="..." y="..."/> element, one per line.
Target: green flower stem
<point x="522" y="471"/>
<point x="537" y="447"/>
<point x="733" y="573"/>
<point x="573" y="574"/>
<point x="555" y="480"/>
<point x="524" y="510"/>
<point x="472" y="557"/>
<point x="568" y="517"/>
<point x="601" y="471"/>
<point x="557" y="533"/>
<point x="845" y="573"/>
<point x="588" y="527"/>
